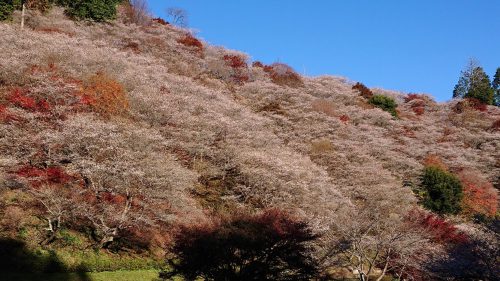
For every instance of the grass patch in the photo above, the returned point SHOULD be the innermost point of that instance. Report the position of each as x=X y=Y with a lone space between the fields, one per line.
x=125 y=275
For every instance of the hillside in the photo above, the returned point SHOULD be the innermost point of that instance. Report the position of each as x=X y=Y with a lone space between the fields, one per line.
x=118 y=133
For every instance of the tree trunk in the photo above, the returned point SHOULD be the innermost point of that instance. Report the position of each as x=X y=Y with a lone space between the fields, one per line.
x=105 y=240
x=383 y=271
x=23 y=13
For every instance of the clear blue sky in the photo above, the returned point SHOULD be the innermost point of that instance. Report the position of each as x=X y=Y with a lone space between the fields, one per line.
x=407 y=45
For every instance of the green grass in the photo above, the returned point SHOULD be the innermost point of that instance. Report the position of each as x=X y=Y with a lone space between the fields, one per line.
x=125 y=275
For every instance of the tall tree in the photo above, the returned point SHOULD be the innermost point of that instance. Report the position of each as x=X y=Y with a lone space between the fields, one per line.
x=272 y=245
x=474 y=83
x=496 y=87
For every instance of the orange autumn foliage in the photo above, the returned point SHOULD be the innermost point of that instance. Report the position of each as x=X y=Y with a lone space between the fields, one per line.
x=480 y=197
x=105 y=95
x=435 y=161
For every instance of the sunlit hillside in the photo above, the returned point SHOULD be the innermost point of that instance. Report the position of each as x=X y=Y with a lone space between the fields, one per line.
x=115 y=135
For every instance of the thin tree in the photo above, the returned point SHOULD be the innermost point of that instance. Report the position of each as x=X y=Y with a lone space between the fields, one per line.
x=178 y=16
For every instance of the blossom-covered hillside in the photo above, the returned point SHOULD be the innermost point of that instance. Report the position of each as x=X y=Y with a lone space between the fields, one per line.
x=117 y=134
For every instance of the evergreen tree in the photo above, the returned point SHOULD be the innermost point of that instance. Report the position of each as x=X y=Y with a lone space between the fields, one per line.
x=443 y=191
x=480 y=87
x=97 y=10
x=7 y=7
x=496 y=87
x=474 y=83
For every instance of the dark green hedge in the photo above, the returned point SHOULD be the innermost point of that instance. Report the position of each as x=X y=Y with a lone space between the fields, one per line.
x=7 y=7
x=97 y=10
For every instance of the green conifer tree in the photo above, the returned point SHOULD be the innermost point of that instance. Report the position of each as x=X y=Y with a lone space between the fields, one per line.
x=496 y=87
x=474 y=83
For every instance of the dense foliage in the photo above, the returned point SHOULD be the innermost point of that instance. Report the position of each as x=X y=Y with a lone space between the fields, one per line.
x=443 y=190
x=385 y=103
x=363 y=90
x=496 y=87
x=267 y=246
x=474 y=83
x=7 y=7
x=97 y=10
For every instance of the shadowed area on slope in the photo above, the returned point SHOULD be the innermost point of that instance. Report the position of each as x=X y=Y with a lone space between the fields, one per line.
x=17 y=262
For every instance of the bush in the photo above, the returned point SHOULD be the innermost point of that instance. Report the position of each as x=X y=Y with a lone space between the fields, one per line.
x=97 y=10
x=160 y=21
x=239 y=66
x=39 y=5
x=439 y=230
x=258 y=64
x=432 y=160
x=284 y=75
x=20 y=98
x=385 y=103
x=363 y=90
x=443 y=191
x=105 y=95
x=480 y=197
x=189 y=41
x=37 y=176
x=267 y=246
x=470 y=103
x=7 y=7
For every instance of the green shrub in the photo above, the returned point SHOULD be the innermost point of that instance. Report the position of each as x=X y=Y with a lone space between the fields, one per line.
x=97 y=10
x=385 y=103
x=7 y=7
x=443 y=191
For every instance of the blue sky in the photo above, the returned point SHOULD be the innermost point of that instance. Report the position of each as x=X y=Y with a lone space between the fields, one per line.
x=411 y=46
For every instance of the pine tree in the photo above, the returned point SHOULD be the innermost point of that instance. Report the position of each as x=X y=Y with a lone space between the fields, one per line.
x=480 y=87
x=496 y=87
x=443 y=191
x=474 y=83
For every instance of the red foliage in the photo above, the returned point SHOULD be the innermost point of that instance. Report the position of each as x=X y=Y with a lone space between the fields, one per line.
x=470 y=103
x=55 y=30
x=160 y=21
x=363 y=90
x=435 y=161
x=411 y=97
x=88 y=197
x=37 y=176
x=480 y=197
x=113 y=198
x=284 y=75
x=240 y=78
x=235 y=61
x=419 y=110
x=7 y=117
x=439 y=229
x=19 y=98
x=189 y=41
x=239 y=65
x=477 y=104
x=258 y=64
x=344 y=118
